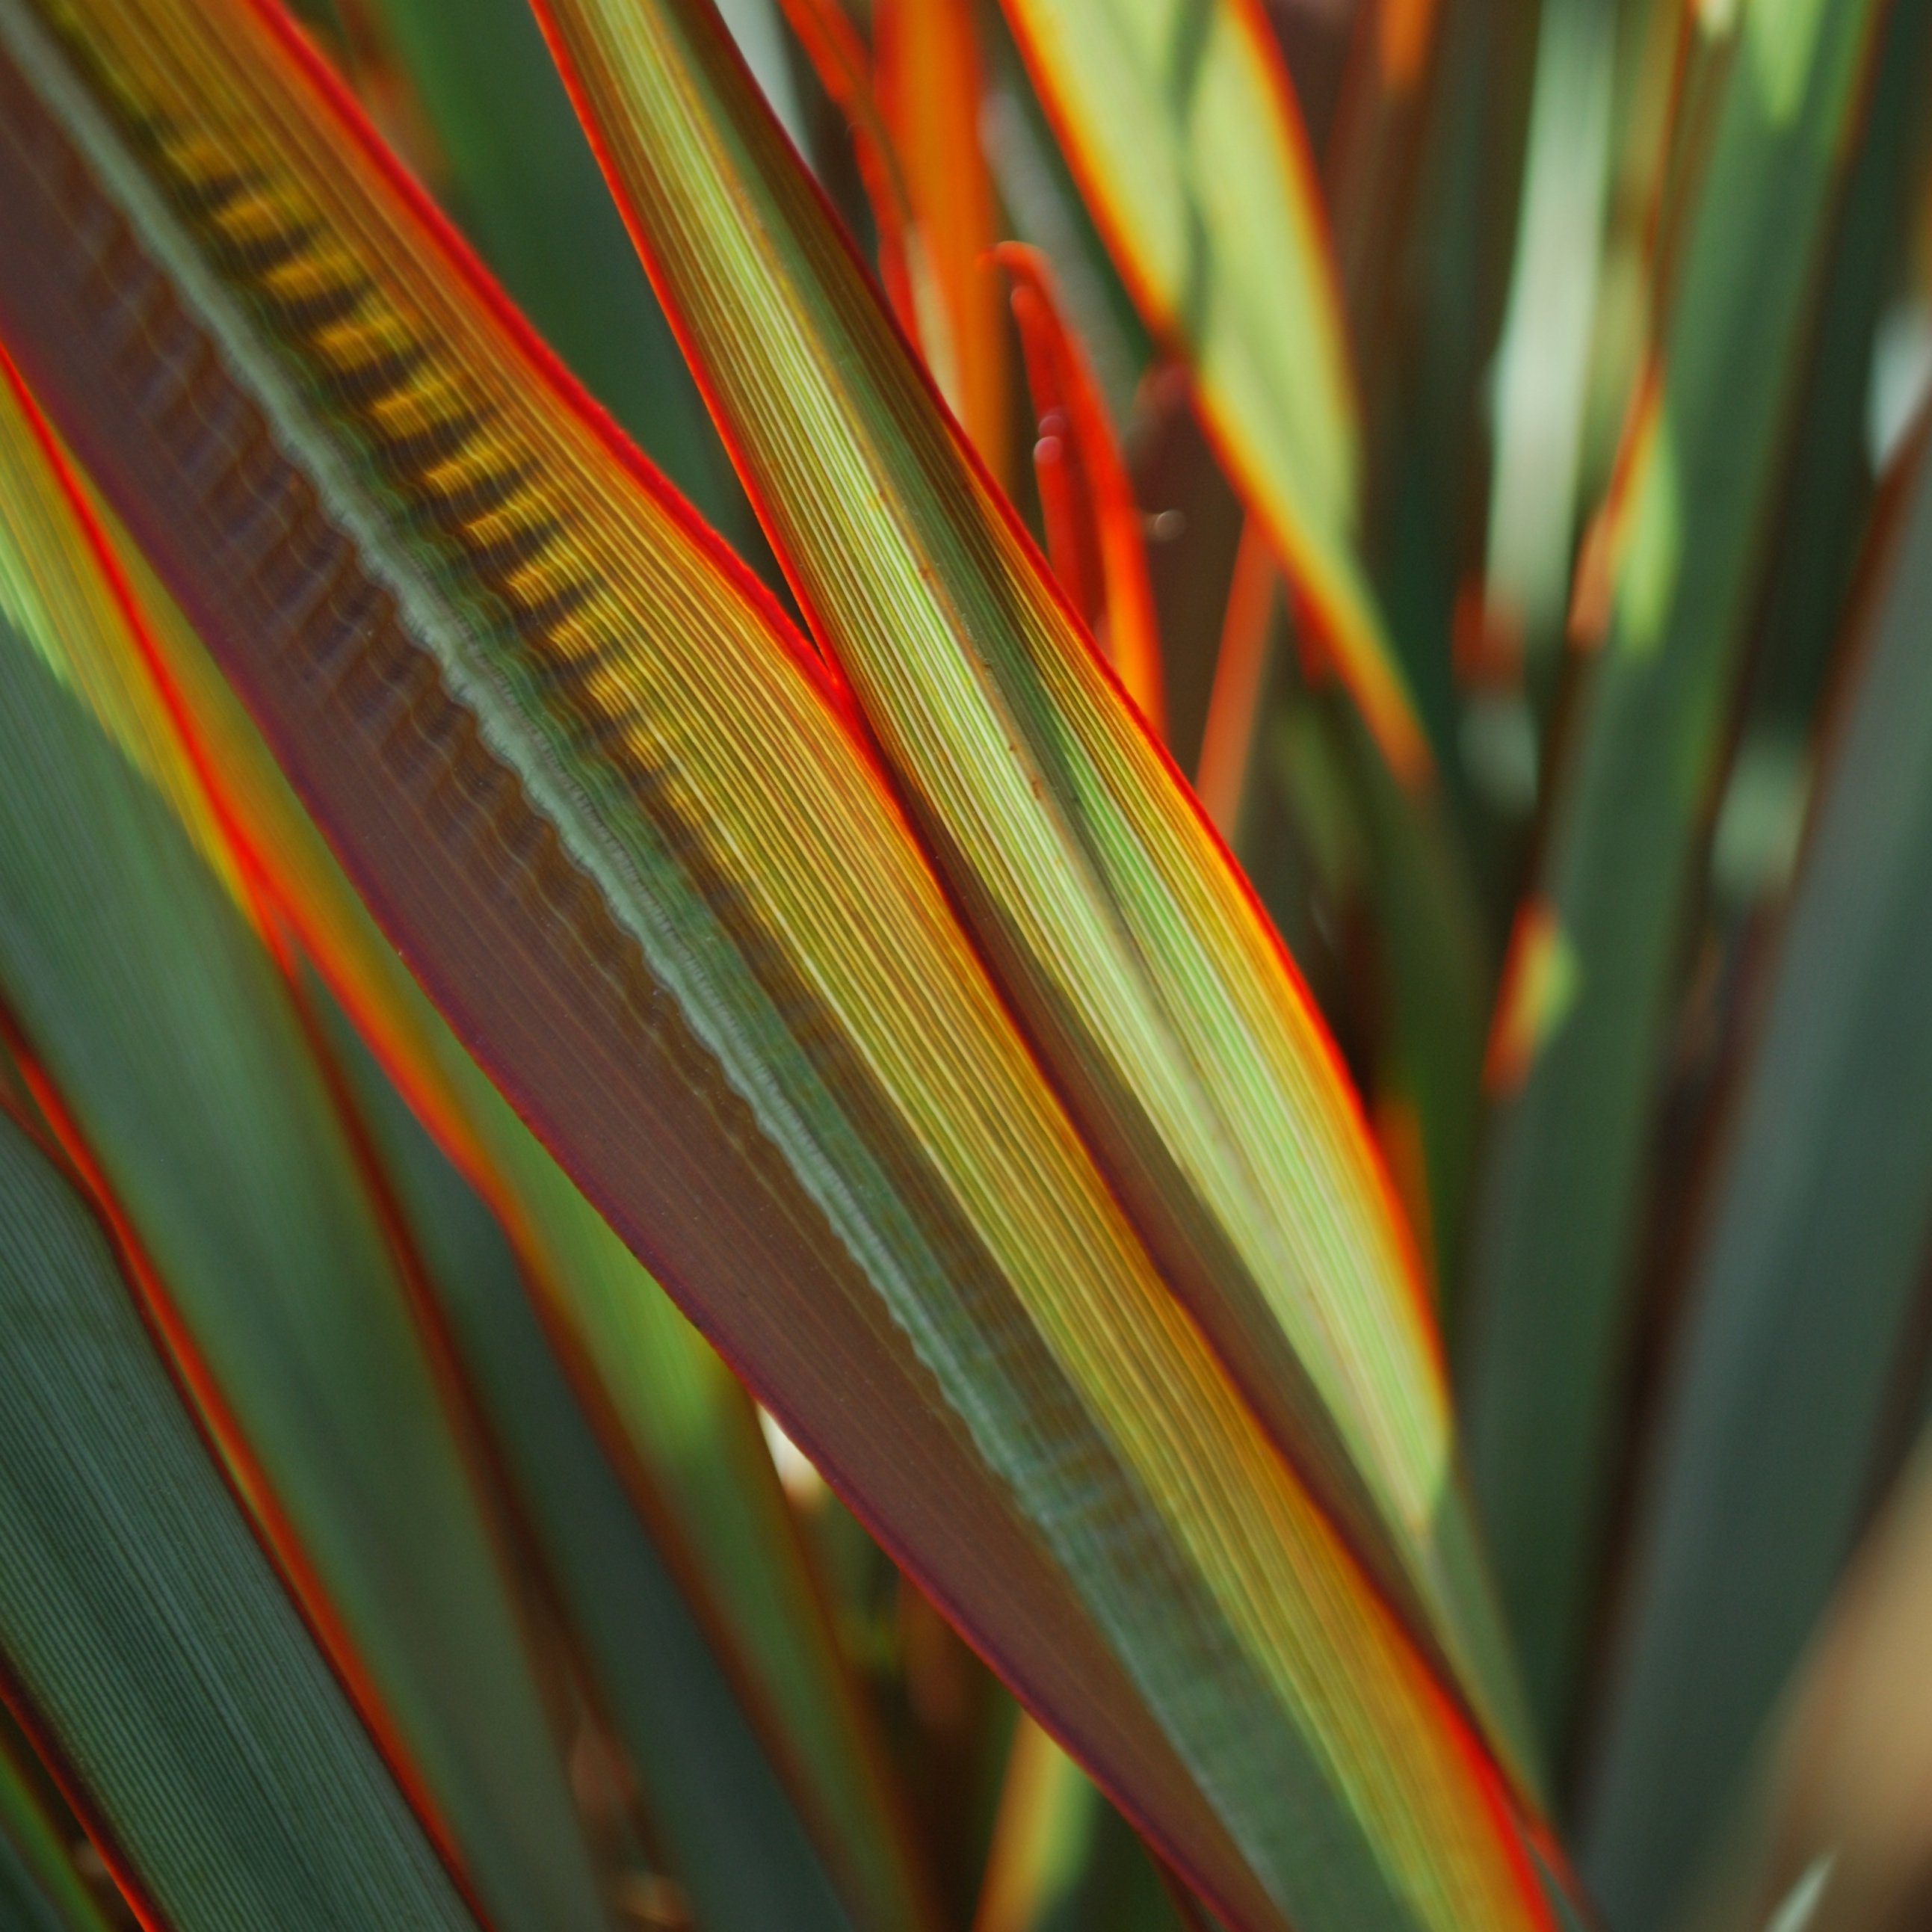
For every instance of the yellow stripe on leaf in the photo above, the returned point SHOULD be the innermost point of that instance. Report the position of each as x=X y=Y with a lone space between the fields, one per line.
x=1135 y=953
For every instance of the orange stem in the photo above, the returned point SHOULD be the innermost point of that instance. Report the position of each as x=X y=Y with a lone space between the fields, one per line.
x=1227 y=745
x=1093 y=522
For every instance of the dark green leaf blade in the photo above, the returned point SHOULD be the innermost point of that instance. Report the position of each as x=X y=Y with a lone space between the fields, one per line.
x=146 y=1634
x=1598 y=948
x=132 y=969
x=1803 y=1288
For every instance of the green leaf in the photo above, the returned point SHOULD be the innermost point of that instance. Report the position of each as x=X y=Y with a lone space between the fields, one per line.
x=1561 y=1208
x=146 y=1634
x=1804 y=1287
x=1827 y=512
x=729 y=1828
x=625 y=830
x=1544 y=358
x=1158 y=996
x=175 y=1062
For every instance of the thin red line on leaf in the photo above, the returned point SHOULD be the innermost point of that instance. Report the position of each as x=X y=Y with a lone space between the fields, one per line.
x=1322 y=1038
x=1402 y=741
x=1111 y=548
x=271 y=902
x=839 y=60
x=52 y=1757
x=277 y=1535
x=1001 y=509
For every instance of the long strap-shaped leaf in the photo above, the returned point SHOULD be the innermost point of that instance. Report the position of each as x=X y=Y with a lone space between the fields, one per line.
x=170 y=1052
x=680 y=1426
x=1803 y=1283
x=1160 y=999
x=1597 y=943
x=1181 y=123
x=610 y=810
x=145 y=1636
x=683 y=1429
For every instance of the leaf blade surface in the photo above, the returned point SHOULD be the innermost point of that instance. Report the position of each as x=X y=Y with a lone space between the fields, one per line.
x=630 y=839
x=131 y=966
x=148 y=1632
x=1161 y=1001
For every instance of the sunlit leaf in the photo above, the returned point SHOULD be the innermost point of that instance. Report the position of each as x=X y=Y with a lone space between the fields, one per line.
x=133 y=975
x=159 y=1662
x=629 y=839
x=1135 y=953
x=539 y=214
x=1543 y=358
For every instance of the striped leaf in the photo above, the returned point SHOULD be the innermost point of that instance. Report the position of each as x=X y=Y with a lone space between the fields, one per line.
x=539 y=215
x=1158 y=996
x=169 y=1057
x=626 y=831
x=145 y=1633
x=683 y=1432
